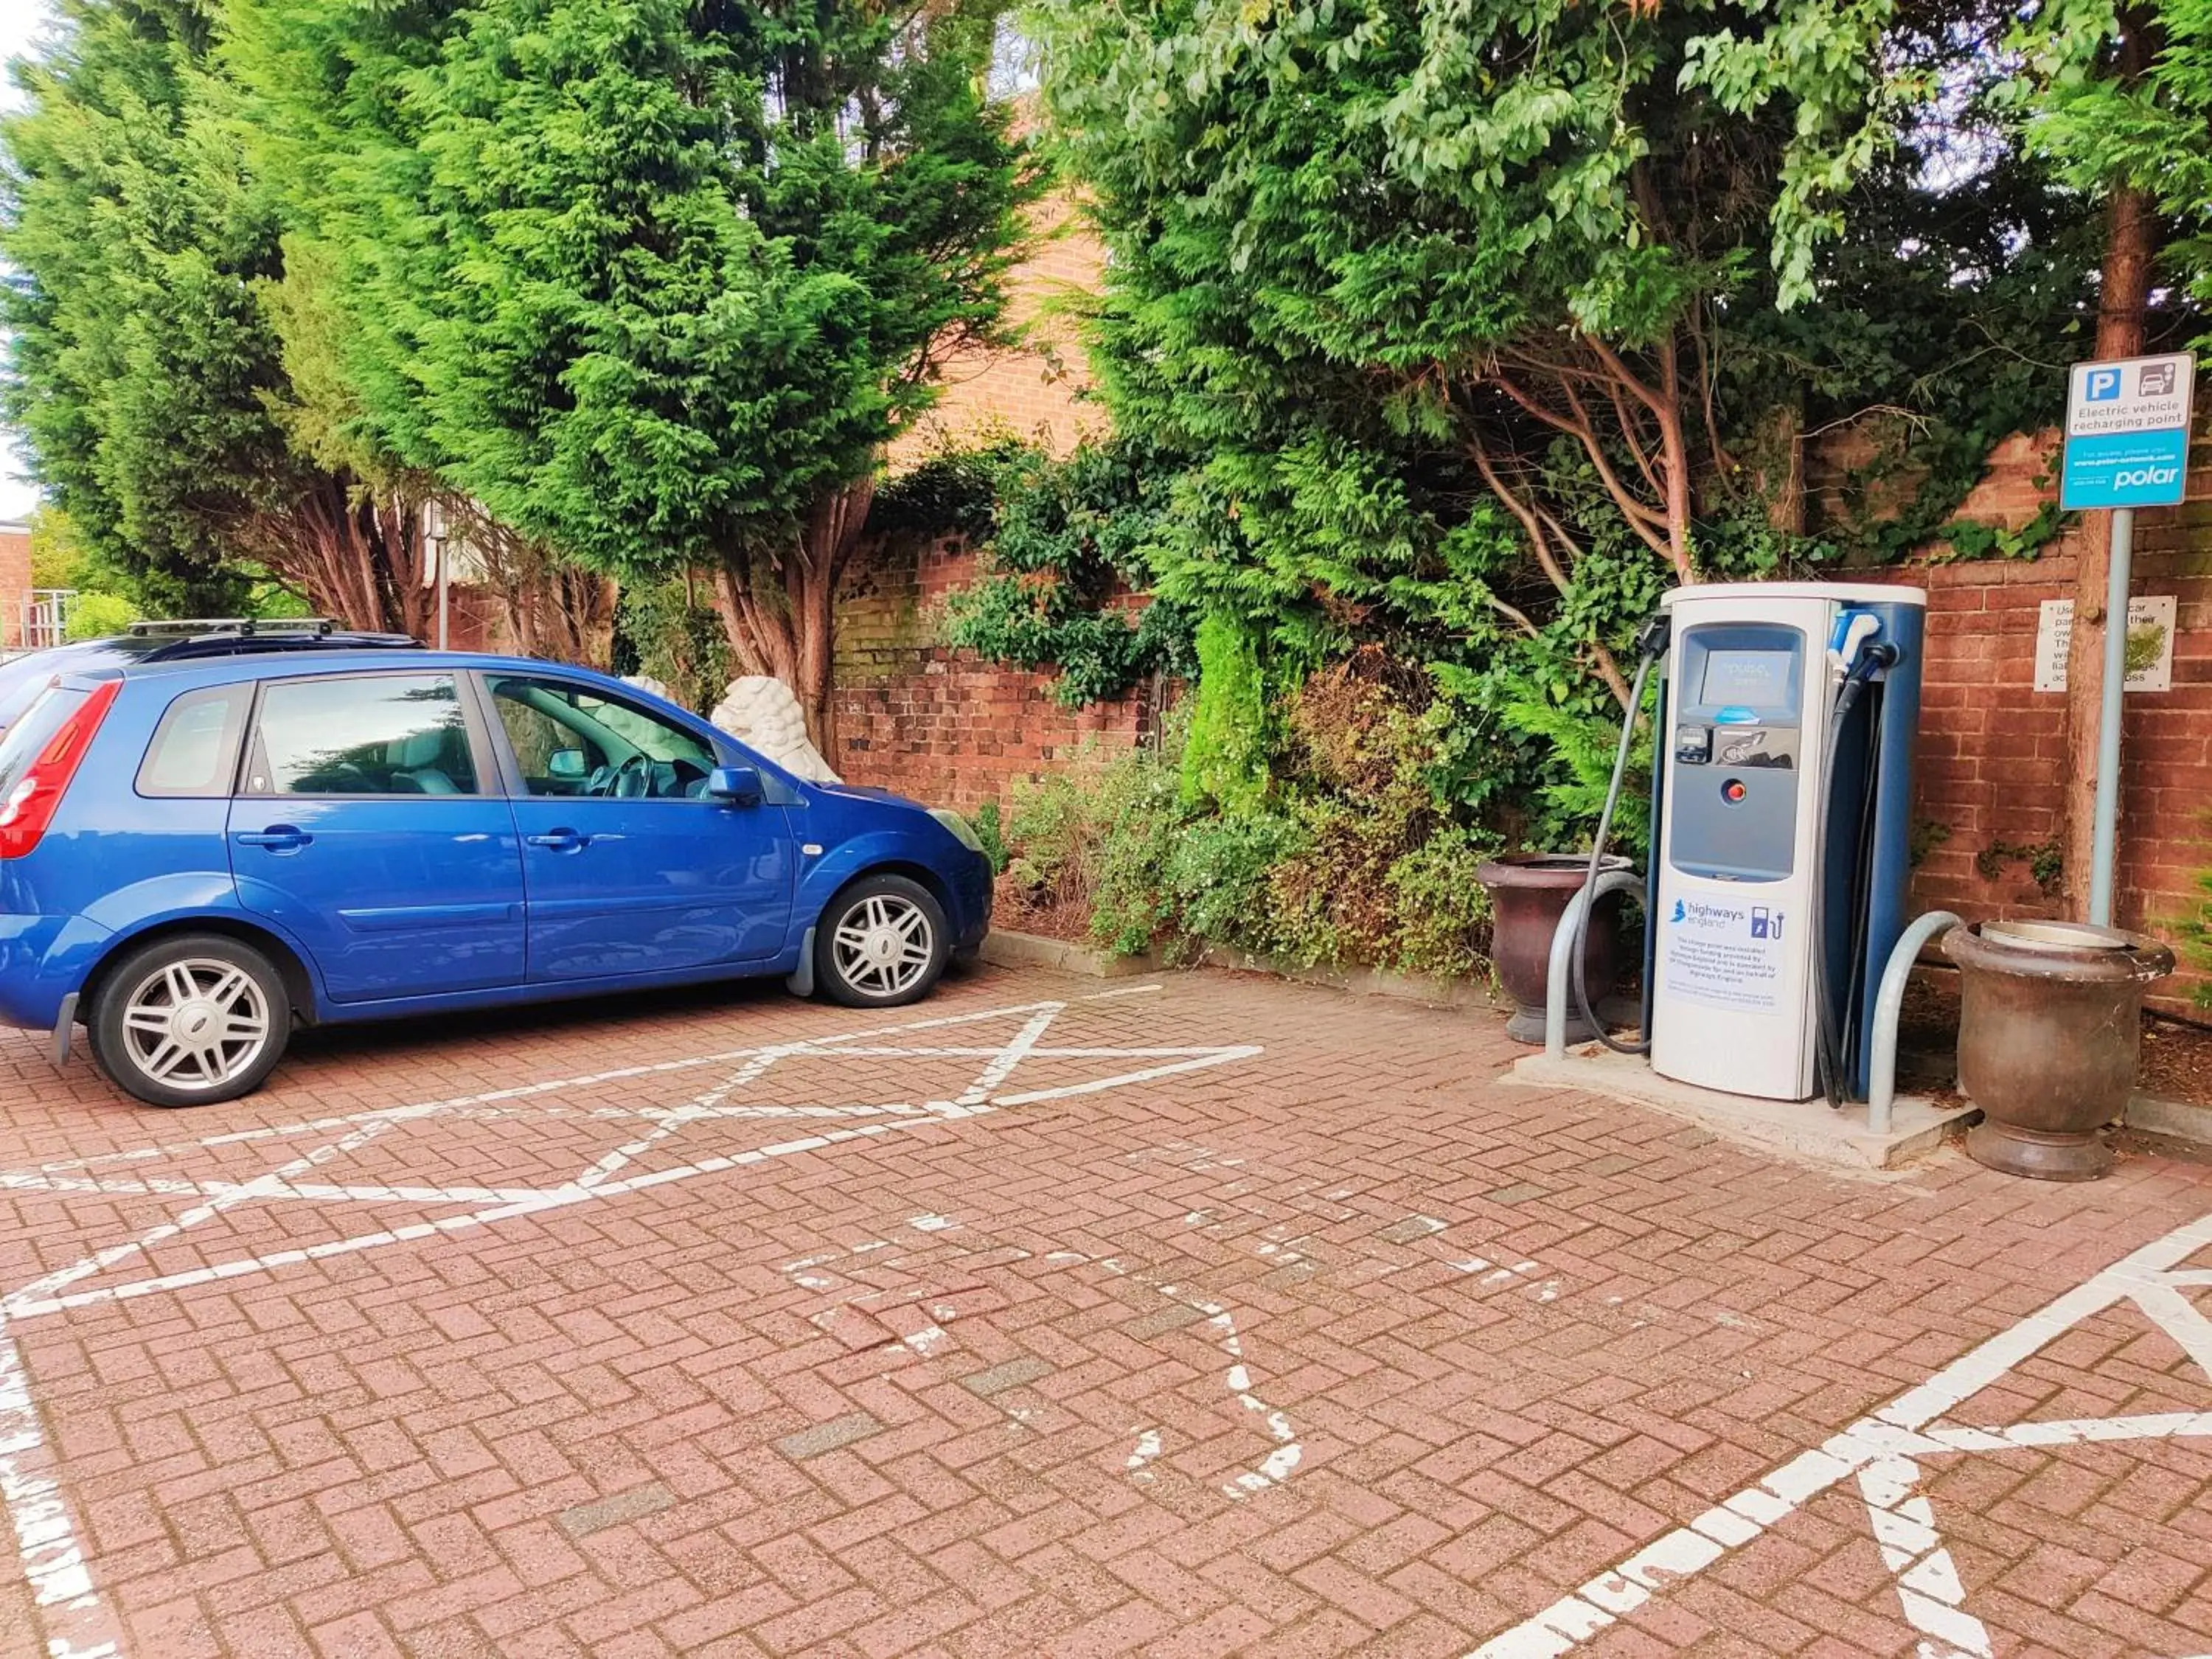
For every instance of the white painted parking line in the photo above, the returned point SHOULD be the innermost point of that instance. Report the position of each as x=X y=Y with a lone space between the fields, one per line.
x=1880 y=1452
x=79 y=1623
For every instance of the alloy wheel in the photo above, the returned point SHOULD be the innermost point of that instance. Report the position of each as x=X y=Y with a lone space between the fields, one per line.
x=196 y=1023
x=883 y=945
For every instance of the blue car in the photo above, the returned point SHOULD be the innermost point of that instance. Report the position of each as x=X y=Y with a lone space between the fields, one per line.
x=198 y=856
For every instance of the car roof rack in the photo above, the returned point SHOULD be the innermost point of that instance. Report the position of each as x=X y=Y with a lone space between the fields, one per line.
x=240 y=626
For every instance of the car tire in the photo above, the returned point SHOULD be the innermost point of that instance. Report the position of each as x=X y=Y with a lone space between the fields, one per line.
x=190 y=1020
x=881 y=942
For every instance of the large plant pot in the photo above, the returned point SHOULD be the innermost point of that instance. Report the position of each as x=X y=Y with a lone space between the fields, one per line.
x=2050 y=1024
x=1528 y=894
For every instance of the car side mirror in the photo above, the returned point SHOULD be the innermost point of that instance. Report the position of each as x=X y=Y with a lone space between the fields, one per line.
x=736 y=785
x=565 y=765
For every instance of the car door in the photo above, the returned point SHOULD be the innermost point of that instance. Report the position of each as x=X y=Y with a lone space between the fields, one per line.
x=629 y=867
x=368 y=822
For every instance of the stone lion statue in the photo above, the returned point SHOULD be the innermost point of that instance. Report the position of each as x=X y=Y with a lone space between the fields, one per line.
x=760 y=712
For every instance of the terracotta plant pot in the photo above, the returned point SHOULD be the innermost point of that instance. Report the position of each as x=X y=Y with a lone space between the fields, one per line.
x=1528 y=894
x=2050 y=1024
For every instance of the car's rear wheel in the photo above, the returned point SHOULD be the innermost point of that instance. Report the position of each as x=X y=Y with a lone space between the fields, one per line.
x=190 y=1019
x=881 y=942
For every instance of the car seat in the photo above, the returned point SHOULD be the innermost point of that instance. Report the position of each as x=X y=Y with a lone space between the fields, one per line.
x=414 y=761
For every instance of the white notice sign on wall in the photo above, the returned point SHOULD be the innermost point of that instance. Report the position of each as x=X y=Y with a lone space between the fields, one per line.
x=2150 y=643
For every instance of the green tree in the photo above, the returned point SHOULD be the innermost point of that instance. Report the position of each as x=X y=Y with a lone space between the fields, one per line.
x=2120 y=97
x=654 y=282
x=142 y=368
x=1485 y=304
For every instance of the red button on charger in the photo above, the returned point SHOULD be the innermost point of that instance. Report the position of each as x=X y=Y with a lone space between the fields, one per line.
x=1733 y=790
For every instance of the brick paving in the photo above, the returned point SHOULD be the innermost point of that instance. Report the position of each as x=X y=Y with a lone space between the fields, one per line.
x=1340 y=1347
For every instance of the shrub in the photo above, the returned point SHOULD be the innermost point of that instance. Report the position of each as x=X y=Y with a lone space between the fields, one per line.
x=96 y=615
x=1048 y=839
x=666 y=631
x=1584 y=746
x=989 y=826
x=1381 y=872
x=1226 y=760
x=1350 y=859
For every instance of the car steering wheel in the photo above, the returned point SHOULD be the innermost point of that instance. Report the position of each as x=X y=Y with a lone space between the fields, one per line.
x=632 y=778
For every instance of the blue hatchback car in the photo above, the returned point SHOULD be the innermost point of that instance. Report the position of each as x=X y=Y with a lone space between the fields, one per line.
x=195 y=857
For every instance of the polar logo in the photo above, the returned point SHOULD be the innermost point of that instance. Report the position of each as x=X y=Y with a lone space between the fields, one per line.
x=2142 y=476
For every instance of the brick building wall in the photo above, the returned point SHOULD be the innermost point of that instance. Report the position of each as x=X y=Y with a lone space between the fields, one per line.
x=1034 y=387
x=1991 y=767
x=940 y=725
x=14 y=582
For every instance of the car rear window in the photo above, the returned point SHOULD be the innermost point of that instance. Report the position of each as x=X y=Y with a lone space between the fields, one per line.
x=23 y=678
x=195 y=748
x=31 y=733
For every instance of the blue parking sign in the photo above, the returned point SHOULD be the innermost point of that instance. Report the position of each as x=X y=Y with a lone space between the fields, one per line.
x=2127 y=433
x=2125 y=469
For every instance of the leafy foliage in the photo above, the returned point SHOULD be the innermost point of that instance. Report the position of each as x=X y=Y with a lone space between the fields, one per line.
x=1465 y=331
x=1353 y=858
x=1586 y=748
x=2045 y=861
x=989 y=824
x=137 y=361
x=143 y=367
x=654 y=282
x=954 y=493
x=1069 y=541
x=95 y=616
x=1226 y=761
x=2106 y=120
x=662 y=631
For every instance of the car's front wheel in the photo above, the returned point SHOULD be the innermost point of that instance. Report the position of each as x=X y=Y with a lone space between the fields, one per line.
x=190 y=1019
x=882 y=942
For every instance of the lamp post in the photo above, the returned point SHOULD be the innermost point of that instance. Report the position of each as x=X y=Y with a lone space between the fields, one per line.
x=433 y=532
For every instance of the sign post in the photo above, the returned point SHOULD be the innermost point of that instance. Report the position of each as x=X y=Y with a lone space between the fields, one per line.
x=2127 y=446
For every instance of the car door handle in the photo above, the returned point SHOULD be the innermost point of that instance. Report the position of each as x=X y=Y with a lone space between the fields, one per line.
x=277 y=838
x=559 y=841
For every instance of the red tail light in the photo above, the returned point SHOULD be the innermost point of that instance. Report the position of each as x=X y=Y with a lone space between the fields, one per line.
x=30 y=805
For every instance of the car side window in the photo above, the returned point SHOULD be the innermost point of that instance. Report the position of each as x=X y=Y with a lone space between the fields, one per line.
x=195 y=747
x=361 y=734
x=569 y=739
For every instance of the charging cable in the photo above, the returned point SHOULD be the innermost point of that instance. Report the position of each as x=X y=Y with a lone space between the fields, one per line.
x=1864 y=661
x=1650 y=645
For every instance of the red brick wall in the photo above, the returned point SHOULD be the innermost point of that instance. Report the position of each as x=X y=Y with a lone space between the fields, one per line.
x=1991 y=762
x=14 y=582
x=940 y=724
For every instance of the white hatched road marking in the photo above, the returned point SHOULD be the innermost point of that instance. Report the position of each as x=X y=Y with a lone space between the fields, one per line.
x=813 y=1273
x=79 y=1623
x=816 y=1272
x=1881 y=1451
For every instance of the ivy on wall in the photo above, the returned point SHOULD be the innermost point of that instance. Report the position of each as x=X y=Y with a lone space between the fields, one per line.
x=1065 y=561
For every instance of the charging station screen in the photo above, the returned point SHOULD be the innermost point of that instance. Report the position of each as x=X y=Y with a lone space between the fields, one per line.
x=1758 y=678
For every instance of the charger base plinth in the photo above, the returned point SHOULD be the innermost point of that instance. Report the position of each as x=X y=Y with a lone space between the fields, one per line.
x=1807 y=1133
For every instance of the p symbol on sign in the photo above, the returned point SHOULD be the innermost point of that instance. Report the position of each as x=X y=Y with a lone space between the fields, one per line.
x=2101 y=385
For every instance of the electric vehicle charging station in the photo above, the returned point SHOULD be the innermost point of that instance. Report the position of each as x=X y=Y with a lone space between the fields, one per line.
x=1781 y=830
x=1781 y=826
